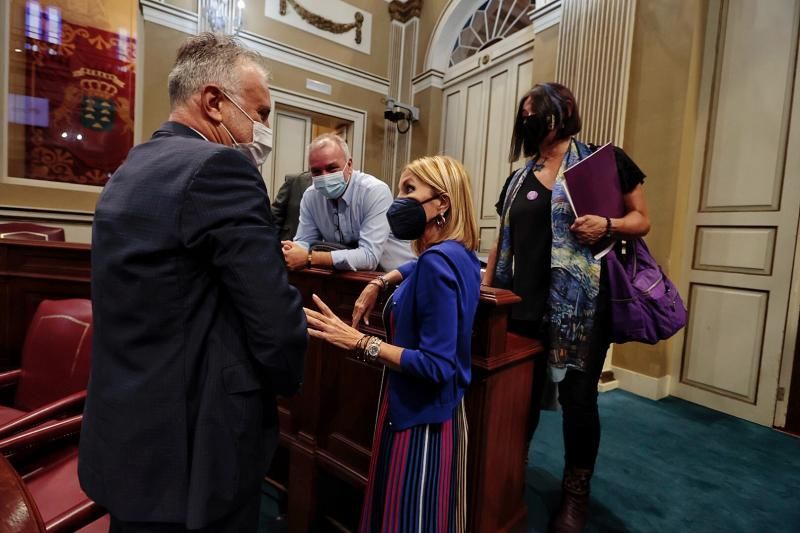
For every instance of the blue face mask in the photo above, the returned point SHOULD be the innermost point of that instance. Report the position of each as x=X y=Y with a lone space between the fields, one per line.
x=332 y=185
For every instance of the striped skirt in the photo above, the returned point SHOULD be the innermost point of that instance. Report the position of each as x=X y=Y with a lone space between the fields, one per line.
x=417 y=476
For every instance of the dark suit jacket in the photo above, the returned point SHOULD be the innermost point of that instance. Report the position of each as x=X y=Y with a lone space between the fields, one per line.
x=286 y=207
x=196 y=328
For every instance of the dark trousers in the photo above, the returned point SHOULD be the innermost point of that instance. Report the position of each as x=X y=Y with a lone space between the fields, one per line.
x=242 y=520
x=577 y=393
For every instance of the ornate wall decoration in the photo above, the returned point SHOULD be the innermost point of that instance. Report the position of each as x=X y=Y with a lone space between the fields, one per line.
x=323 y=23
x=87 y=80
x=405 y=11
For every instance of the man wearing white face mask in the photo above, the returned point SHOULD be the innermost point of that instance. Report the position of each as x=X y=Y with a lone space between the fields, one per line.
x=196 y=328
x=345 y=208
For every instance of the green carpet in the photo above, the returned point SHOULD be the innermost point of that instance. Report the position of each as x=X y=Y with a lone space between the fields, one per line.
x=668 y=466
x=673 y=466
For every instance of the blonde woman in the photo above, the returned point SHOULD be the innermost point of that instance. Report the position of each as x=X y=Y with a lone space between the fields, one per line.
x=417 y=472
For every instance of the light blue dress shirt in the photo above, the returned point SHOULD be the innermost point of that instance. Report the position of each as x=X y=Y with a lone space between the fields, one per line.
x=361 y=214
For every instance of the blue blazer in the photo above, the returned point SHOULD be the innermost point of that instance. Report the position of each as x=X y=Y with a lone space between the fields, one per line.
x=196 y=329
x=434 y=309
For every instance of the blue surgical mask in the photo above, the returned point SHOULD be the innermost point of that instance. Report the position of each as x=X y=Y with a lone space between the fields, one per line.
x=332 y=185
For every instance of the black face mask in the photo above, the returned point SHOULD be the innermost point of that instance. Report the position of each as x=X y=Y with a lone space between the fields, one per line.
x=407 y=218
x=535 y=131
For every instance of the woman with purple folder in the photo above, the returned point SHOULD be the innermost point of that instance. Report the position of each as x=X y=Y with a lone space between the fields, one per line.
x=544 y=254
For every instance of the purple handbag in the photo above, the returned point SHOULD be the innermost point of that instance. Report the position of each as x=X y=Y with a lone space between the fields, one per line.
x=645 y=305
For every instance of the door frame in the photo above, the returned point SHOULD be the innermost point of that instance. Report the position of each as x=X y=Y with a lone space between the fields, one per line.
x=358 y=117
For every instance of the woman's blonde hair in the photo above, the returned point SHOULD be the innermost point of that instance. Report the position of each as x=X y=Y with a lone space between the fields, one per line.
x=448 y=176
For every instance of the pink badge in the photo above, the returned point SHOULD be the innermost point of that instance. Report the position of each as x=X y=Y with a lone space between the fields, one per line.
x=533 y=195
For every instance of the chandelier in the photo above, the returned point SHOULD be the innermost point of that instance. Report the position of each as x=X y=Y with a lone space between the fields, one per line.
x=221 y=16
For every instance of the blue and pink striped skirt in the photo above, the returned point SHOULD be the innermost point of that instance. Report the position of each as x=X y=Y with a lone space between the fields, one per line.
x=417 y=476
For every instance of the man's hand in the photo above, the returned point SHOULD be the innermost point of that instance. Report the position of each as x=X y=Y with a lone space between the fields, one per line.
x=588 y=229
x=296 y=256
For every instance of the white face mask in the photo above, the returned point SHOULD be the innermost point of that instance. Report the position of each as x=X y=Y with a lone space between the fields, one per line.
x=260 y=148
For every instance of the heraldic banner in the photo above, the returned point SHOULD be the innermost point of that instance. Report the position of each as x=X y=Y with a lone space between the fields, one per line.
x=87 y=80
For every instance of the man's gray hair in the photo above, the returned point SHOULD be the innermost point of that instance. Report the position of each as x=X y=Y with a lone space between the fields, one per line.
x=331 y=138
x=209 y=58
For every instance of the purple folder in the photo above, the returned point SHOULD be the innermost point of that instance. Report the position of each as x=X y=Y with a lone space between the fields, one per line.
x=593 y=188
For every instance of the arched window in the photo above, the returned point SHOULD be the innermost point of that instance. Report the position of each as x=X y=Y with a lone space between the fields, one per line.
x=492 y=22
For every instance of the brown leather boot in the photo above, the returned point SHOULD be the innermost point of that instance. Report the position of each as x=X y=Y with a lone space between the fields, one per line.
x=574 y=508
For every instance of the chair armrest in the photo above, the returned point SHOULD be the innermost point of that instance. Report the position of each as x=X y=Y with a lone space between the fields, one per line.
x=51 y=411
x=41 y=435
x=10 y=378
x=73 y=519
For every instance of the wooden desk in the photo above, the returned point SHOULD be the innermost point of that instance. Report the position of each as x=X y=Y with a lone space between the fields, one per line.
x=326 y=431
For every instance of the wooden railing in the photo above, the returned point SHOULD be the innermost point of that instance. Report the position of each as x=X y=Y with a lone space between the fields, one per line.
x=326 y=430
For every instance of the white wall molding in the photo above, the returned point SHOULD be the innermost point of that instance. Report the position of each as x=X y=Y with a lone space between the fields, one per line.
x=642 y=384
x=11 y=211
x=429 y=78
x=546 y=16
x=186 y=22
x=169 y=16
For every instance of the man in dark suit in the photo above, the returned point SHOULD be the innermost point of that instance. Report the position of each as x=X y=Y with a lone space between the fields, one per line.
x=286 y=207
x=196 y=327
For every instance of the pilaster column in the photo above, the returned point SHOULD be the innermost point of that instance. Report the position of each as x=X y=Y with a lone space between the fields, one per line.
x=594 y=57
x=403 y=39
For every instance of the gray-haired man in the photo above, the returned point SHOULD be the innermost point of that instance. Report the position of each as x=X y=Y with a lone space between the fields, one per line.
x=196 y=328
x=345 y=208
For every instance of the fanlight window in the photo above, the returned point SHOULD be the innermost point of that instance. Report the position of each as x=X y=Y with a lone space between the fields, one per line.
x=492 y=22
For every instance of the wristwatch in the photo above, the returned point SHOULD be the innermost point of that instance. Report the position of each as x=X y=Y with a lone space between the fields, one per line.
x=373 y=349
x=308 y=262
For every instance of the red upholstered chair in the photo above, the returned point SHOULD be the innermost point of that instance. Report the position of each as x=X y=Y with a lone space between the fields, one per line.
x=54 y=371
x=30 y=232
x=41 y=492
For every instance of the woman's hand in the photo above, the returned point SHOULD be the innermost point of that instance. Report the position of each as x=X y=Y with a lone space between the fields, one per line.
x=329 y=327
x=365 y=303
x=588 y=229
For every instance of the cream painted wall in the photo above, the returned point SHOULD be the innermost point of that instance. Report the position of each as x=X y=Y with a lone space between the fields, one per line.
x=426 y=132
x=659 y=136
x=161 y=45
x=545 y=50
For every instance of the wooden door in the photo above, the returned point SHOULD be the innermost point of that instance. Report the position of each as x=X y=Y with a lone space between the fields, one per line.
x=744 y=210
